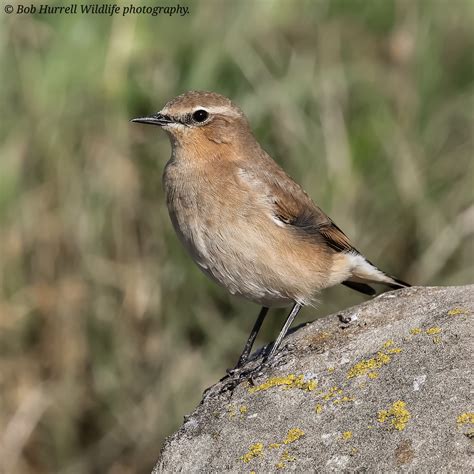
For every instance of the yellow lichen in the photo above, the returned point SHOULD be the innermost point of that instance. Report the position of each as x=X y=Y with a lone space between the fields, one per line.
x=368 y=365
x=318 y=408
x=284 y=458
x=433 y=330
x=393 y=350
x=437 y=339
x=344 y=399
x=231 y=412
x=464 y=418
x=331 y=370
x=388 y=343
x=253 y=472
x=333 y=392
x=254 y=451
x=456 y=311
x=243 y=409
x=274 y=446
x=398 y=414
x=346 y=435
x=287 y=382
x=373 y=375
x=294 y=434
x=415 y=331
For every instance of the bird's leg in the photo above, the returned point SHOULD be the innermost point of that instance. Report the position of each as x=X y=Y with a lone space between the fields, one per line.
x=248 y=345
x=249 y=374
x=294 y=311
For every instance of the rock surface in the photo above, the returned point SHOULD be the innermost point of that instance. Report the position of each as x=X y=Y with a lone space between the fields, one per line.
x=388 y=390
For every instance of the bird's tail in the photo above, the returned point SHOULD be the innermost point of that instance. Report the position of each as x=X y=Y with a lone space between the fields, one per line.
x=364 y=272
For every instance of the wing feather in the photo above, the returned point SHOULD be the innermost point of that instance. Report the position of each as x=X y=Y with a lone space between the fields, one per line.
x=290 y=204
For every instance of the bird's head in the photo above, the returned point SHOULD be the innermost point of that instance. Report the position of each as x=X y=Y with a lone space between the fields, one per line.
x=198 y=117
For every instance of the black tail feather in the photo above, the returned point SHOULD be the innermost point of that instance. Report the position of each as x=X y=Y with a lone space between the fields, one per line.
x=361 y=287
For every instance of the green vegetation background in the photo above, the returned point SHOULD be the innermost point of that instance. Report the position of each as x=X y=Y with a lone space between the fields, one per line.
x=108 y=332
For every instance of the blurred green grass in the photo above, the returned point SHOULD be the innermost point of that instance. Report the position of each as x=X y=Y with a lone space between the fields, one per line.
x=108 y=333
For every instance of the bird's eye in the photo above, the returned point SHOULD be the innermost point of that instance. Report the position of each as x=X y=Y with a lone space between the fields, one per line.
x=200 y=115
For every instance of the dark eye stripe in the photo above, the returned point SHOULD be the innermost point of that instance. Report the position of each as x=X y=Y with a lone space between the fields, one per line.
x=187 y=119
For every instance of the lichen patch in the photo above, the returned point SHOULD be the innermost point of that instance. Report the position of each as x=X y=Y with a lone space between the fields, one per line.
x=287 y=382
x=294 y=434
x=344 y=399
x=465 y=418
x=285 y=457
x=368 y=365
x=397 y=413
x=433 y=330
x=332 y=393
x=346 y=436
x=254 y=451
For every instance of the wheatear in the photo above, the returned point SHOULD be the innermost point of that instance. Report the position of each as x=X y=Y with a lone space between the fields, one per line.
x=244 y=221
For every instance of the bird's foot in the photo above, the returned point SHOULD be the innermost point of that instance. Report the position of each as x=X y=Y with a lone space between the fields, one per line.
x=246 y=373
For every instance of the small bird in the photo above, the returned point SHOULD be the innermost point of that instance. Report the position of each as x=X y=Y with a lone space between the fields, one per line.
x=244 y=221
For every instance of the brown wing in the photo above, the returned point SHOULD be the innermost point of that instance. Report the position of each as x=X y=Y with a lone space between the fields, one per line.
x=290 y=204
x=312 y=222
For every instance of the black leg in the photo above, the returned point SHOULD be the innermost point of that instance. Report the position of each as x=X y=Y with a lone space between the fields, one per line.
x=294 y=311
x=248 y=345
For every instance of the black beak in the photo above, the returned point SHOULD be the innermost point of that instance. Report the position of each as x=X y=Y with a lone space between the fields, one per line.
x=157 y=119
